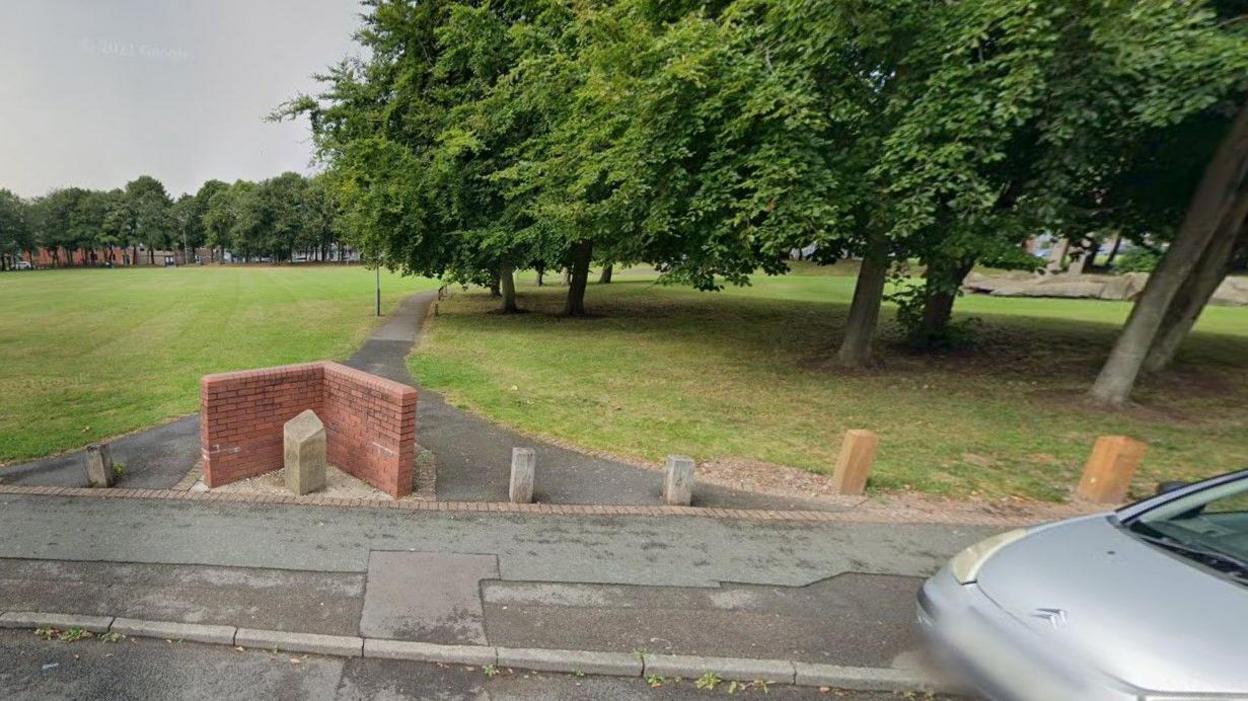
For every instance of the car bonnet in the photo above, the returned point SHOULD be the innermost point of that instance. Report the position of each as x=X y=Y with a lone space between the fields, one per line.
x=1130 y=609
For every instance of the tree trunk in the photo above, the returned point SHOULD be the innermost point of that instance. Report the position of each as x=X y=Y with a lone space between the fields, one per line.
x=1113 y=249
x=1086 y=258
x=1220 y=186
x=944 y=278
x=151 y=255
x=1192 y=297
x=1057 y=255
x=508 y=282
x=864 y=310
x=541 y=272
x=578 y=278
x=605 y=278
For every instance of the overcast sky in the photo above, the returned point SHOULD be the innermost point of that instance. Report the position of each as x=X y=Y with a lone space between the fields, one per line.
x=97 y=92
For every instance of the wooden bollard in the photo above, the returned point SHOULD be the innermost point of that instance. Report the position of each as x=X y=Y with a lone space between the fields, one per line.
x=1108 y=472
x=853 y=465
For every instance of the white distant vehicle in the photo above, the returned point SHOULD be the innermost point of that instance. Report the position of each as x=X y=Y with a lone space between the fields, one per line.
x=23 y=265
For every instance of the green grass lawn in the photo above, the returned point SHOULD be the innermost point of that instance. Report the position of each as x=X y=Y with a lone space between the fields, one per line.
x=749 y=374
x=87 y=354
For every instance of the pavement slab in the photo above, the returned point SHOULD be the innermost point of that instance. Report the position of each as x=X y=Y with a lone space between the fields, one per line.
x=326 y=602
x=850 y=619
x=431 y=597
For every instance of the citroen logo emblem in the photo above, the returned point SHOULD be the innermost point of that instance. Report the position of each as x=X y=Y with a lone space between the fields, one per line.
x=1056 y=617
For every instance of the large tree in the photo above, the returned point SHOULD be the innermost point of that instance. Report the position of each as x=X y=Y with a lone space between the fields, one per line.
x=1023 y=113
x=1210 y=229
x=413 y=148
x=482 y=138
x=150 y=211
x=15 y=229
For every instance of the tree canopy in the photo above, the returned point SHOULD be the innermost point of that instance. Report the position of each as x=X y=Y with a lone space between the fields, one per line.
x=273 y=219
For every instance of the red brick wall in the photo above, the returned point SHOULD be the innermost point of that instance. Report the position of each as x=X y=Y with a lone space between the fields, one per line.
x=370 y=422
x=370 y=426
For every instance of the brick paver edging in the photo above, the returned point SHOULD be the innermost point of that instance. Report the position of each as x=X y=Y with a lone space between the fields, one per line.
x=510 y=508
x=619 y=664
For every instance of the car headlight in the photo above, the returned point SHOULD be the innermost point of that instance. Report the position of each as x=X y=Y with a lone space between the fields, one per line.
x=965 y=565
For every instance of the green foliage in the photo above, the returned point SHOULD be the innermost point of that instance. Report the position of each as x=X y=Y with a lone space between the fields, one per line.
x=1137 y=260
x=69 y=635
x=15 y=228
x=708 y=681
x=708 y=139
x=273 y=218
x=151 y=218
x=516 y=132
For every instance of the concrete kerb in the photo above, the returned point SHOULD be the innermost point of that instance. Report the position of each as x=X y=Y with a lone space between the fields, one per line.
x=727 y=668
x=861 y=678
x=168 y=630
x=337 y=645
x=616 y=664
x=60 y=621
x=534 y=659
x=480 y=655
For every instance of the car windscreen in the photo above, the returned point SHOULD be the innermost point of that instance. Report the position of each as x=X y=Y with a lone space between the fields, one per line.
x=1209 y=526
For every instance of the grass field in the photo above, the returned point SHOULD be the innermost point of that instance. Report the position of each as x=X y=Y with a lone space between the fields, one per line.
x=748 y=374
x=87 y=354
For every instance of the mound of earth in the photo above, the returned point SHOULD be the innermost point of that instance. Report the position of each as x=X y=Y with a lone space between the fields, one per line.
x=1232 y=292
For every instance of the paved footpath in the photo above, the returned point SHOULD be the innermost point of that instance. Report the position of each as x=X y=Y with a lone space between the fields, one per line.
x=830 y=593
x=473 y=455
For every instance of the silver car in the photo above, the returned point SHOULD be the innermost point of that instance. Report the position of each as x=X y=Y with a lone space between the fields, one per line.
x=1149 y=602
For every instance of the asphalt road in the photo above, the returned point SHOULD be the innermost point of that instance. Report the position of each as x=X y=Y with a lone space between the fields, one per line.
x=31 y=668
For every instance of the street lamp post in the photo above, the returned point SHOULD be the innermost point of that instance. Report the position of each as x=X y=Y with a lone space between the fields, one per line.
x=379 y=289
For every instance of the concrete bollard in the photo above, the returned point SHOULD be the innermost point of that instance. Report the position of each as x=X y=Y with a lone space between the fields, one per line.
x=303 y=443
x=99 y=465
x=523 y=473
x=678 y=481
x=853 y=465
x=1109 y=469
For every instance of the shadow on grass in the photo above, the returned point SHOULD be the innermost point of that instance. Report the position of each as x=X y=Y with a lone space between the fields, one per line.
x=802 y=336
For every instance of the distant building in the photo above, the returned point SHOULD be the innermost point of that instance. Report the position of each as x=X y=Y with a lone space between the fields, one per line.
x=117 y=256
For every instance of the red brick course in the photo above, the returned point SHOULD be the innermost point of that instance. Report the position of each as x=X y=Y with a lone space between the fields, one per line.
x=370 y=422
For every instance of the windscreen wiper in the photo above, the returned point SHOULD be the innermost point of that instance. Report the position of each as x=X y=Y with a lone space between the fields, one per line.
x=1239 y=567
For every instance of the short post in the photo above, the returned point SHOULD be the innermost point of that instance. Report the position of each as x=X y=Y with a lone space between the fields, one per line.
x=99 y=465
x=1108 y=472
x=678 y=481
x=853 y=465
x=523 y=471
x=304 y=446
